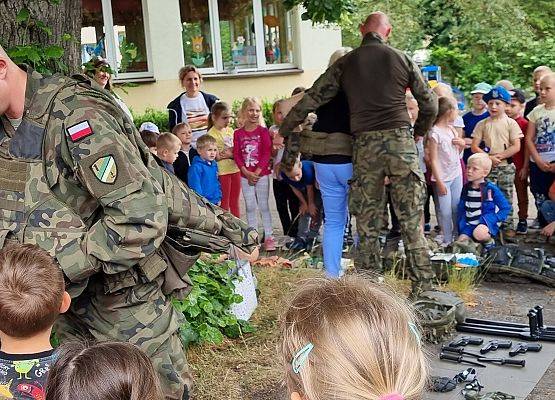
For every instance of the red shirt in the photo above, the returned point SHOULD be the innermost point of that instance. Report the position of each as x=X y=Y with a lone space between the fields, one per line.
x=252 y=150
x=518 y=158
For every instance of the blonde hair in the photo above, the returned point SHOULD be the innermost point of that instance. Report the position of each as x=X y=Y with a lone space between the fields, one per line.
x=246 y=103
x=167 y=141
x=549 y=77
x=204 y=141
x=337 y=54
x=482 y=159
x=364 y=337
x=181 y=126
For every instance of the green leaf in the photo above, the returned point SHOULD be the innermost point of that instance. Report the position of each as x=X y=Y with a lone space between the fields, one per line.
x=42 y=26
x=22 y=15
x=54 y=51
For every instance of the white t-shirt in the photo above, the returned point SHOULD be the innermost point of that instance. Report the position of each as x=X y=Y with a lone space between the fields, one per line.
x=544 y=119
x=447 y=153
x=459 y=122
x=195 y=110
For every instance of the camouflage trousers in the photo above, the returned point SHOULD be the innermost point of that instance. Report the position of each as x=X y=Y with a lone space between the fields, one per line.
x=141 y=315
x=504 y=177
x=391 y=153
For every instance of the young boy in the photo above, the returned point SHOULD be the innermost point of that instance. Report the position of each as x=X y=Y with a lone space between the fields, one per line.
x=515 y=111
x=186 y=153
x=477 y=216
x=501 y=136
x=32 y=295
x=540 y=142
x=478 y=112
x=302 y=181
x=150 y=138
x=167 y=149
x=203 y=172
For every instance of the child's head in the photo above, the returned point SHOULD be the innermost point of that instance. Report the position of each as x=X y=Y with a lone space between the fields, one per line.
x=277 y=112
x=207 y=147
x=149 y=126
x=443 y=90
x=537 y=76
x=507 y=84
x=547 y=89
x=167 y=147
x=220 y=115
x=295 y=173
x=184 y=133
x=350 y=339
x=412 y=107
x=478 y=167
x=446 y=110
x=109 y=370
x=150 y=138
x=251 y=110
x=497 y=99
x=477 y=93
x=518 y=102
x=32 y=293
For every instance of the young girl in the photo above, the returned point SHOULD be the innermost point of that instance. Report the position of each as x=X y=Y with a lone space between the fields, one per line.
x=252 y=148
x=228 y=172
x=351 y=339
x=109 y=370
x=445 y=146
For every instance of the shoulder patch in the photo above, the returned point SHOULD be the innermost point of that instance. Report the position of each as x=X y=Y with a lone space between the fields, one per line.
x=79 y=131
x=105 y=169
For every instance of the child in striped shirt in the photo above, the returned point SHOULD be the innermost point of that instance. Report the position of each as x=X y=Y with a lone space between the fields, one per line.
x=482 y=207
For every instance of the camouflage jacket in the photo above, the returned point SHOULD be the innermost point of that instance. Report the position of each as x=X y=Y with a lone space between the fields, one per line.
x=98 y=201
x=374 y=77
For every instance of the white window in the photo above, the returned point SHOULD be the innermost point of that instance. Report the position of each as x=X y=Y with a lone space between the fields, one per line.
x=237 y=35
x=115 y=30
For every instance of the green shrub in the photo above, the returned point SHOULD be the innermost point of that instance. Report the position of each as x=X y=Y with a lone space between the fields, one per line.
x=207 y=306
x=160 y=118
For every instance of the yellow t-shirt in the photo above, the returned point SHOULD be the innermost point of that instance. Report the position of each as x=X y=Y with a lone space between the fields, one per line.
x=498 y=134
x=224 y=139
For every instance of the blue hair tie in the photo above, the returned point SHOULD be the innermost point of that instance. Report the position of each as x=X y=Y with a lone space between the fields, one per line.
x=299 y=359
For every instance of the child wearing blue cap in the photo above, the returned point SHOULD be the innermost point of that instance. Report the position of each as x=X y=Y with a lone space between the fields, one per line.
x=501 y=136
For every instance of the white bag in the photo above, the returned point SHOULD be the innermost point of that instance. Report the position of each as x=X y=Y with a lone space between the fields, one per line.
x=245 y=287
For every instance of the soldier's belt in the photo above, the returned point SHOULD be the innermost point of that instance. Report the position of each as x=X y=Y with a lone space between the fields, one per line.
x=323 y=144
x=403 y=131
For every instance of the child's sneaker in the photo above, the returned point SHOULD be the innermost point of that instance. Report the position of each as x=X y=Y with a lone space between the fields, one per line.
x=522 y=227
x=297 y=244
x=270 y=244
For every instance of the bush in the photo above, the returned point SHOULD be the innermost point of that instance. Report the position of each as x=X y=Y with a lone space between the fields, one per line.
x=160 y=118
x=207 y=306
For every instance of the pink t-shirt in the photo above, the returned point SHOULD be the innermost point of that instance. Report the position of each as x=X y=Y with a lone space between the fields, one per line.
x=447 y=153
x=253 y=150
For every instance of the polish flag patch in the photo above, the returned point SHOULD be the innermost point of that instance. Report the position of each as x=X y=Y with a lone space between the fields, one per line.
x=79 y=131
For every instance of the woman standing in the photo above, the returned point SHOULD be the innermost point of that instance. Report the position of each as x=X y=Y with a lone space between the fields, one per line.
x=193 y=105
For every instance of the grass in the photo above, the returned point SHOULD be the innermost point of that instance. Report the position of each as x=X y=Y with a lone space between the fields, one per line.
x=248 y=368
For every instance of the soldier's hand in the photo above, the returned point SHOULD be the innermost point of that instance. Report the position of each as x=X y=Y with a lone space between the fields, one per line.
x=238 y=254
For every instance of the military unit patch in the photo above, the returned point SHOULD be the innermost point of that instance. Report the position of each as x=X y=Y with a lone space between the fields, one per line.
x=79 y=131
x=105 y=169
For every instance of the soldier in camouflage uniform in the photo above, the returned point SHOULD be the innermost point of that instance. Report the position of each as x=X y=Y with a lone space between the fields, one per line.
x=374 y=78
x=76 y=179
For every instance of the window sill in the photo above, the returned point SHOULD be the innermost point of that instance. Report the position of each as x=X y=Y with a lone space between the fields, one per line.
x=135 y=80
x=251 y=74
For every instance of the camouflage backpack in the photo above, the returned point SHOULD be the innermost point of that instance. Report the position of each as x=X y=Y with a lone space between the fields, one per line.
x=438 y=313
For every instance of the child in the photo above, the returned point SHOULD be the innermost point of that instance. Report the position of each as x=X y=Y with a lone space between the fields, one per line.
x=150 y=138
x=478 y=218
x=228 y=172
x=149 y=126
x=548 y=213
x=252 y=148
x=351 y=339
x=501 y=136
x=287 y=203
x=186 y=152
x=302 y=183
x=521 y=159
x=540 y=141
x=203 y=173
x=32 y=295
x=109 y=370
x=167 y=149
x=478 y=112
x=445 y=146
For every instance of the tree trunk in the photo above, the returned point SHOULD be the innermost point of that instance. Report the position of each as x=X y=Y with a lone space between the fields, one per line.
x=62 y=18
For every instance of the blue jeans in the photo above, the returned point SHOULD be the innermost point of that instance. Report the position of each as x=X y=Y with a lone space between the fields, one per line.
x=548 y=211
x=334 y=186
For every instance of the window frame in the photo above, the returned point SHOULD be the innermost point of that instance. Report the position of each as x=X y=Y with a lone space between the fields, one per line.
x=110 y=43
x=262 y=65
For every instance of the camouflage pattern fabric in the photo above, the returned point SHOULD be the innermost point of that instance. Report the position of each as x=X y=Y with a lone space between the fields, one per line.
x=389 y=153
x=504 y=176
x=77 y=180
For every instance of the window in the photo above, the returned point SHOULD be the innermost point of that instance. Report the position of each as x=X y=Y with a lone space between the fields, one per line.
x=115 y=30
x=237 y=35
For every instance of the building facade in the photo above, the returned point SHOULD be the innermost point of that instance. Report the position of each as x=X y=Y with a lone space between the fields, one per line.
x=243 y=47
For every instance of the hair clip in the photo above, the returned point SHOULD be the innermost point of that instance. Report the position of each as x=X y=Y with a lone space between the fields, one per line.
x=392 y=396
x=300 y=357
x=413 y=328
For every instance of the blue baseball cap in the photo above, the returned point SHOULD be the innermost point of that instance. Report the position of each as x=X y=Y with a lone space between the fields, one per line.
x=481 y=87
x=498 y=93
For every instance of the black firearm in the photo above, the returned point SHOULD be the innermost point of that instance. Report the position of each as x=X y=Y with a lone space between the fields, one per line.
x=496 y=344
x=460 y=359
x=521 y=348
x=464 y=340
x=459 y=350
x=503 y=361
